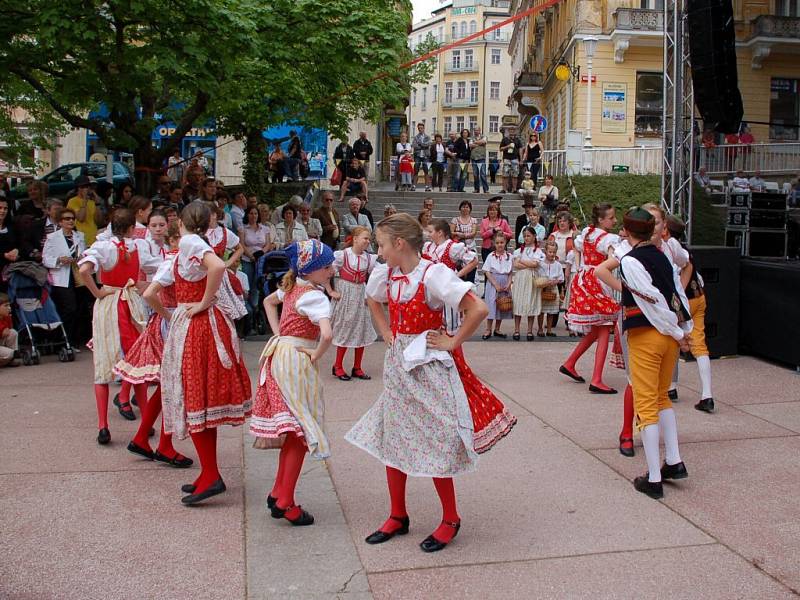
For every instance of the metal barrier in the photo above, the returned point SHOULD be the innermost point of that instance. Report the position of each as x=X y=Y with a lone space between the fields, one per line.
x=726 y=159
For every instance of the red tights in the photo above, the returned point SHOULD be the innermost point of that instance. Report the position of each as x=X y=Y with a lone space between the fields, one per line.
x=139 y=390
x=290 y=463
x=627 y=415
x=101 y=399
x=149 y=415
x=397 y=495
x=601 y=335
x=205 y=442
x=341 y=351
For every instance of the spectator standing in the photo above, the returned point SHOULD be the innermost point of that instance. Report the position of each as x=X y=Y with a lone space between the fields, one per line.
x=9 y=245
x=237 y=211
x=462 y=154
x=510 y=147
x=399 y=150
x=44 y=227
x=289 y=230
x=465 y=227
x=492 y=224
x=757 y=184
x=355 y=181
x=329 y=219
x=277 y=163
x=295 y=155
x=85 y=209
x=61 y=252
x=406 y=169
x=548 y=200
x=175 y=166
x=532 y=155
x=342 y=158
x=8 y=335
x=422 y=150
x=35 y=204
x=202 y=161
x=362 y=149
x=524 y=220
x=452 y=161
x=494 y=167
x=313 y=226
x=477 y=146
x=256 y=239
x=438 y=161
x=194 y=182
x=731 y=150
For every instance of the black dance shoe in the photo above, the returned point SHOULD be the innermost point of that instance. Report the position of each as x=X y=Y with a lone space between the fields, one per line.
x=215 y=488
x=116 y=400
x=178 y=461
x=431 y=544
x=598 y=390
x=706 y=405
x=654 y=489
x=271 y=502
x=378 y=537
x=143 y=452
x=359 y=374
x=676 y=471
x=572 y=375
x=672 y=395
x=126 y=411
x=188 y=488
x=342 y=377
x=626 y=450
x=302 y=520
x=103 y=436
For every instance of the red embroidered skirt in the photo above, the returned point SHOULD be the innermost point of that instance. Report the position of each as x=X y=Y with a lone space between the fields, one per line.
x=589 y=305
x=142 y=362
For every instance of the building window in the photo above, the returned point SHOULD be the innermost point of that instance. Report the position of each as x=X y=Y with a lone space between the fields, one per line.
x=433 y=124
x=456 y=59
x=473 y=123
x=495 y=56
x=649 y=103
x=497 y=33
x=461 y=90
x=468 y=59
x=435 y=93
x=784 y=109
x=454 y=31
x=473 y=27
x=494 y=90
x=448 y=92
x=448 y=125
x=459 y=124
x=473 y=91
x=414 y=97
x=494 y=124
x=424 y=97
x=440 y=35
x=463 y=29
x=787 y=8
x=652 y=4
x=413 y=125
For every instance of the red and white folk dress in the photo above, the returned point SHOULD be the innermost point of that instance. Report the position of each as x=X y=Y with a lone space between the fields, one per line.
x=591 y=302
x=204 y=380
x=350 y=317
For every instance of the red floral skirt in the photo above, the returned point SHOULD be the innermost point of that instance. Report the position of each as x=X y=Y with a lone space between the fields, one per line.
x=271 y=416
x=589 y=305
x=142 y=362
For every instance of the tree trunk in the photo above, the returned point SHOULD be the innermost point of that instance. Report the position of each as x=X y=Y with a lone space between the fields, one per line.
x=255 y=163
x=148 y=169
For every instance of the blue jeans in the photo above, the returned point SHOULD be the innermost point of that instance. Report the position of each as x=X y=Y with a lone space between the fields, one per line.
x=461 y=177
x=292 y=168
x=479 y=176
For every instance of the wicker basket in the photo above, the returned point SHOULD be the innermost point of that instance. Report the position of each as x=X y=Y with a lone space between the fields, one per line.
x=504 y=303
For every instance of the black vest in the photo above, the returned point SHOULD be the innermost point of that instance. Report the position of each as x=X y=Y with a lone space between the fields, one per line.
x=694 y=289
x=660 y=270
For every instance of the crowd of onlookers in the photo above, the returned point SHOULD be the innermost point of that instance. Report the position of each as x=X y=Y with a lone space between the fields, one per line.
x=740 y=183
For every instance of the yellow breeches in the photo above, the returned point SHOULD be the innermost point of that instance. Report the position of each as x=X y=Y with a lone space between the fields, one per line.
x=697 y=339
x=652 y=357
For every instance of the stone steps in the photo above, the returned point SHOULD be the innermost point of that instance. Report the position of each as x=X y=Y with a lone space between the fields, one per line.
x=445 y=203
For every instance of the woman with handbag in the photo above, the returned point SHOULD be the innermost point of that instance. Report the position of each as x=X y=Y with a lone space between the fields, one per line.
x=548 y=200
x=549 y=276
x=525 y=295
x=497 y=270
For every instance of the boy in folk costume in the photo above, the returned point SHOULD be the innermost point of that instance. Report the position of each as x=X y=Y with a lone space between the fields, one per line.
x=204 y=381
x=421 y=424
x=119 y=313
x=656 y=321
x=289 y=410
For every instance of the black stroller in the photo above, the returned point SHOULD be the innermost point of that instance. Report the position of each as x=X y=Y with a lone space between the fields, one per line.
x=270 y=268
x=40 y=328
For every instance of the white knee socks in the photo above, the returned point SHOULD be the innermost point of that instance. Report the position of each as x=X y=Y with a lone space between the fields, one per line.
x=674 y=384
x=651 y=451
x=669 y=429
x=704 y=368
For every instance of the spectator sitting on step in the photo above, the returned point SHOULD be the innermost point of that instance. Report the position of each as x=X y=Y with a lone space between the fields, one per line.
x=355 y=180
x=427 y=204
x=8 y=335
x=741 y=184
x=527 y=187
x=757 y=184
x=701 y=178
x=389 y=210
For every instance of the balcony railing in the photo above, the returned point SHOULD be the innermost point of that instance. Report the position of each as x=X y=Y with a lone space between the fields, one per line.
x=460 y=103
x=639 y=19
x=776 y=27
x=451 y=68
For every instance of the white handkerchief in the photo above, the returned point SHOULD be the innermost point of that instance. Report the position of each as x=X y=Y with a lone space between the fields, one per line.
x=417 y=353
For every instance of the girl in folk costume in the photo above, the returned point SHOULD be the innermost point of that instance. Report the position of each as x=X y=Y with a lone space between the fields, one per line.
x=592 y=311
x=142 y=365
x=289 y=410
x=549 y=275
x=421 y=424
x=693 y=285
x=352 y=325
x=497 y=270
x=221 y=239
x=141 y=208
x=526 y=296
x=204 y=381
x=564 y=236
x=119 y=313
x=656 y=321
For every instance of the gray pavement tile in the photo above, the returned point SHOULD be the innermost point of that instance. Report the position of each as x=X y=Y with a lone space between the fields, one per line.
x=119 y=535
x=785 y=414
x=535 y=495
x=743 y=493
x=709 y=571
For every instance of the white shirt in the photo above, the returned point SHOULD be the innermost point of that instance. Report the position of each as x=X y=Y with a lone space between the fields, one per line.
x=214 y=237
x=400 y=148
x=459 y=252
x=756 y=183
x=103 y=254
x=314 y=304
x=551 y=270
x=55 y=246
x=659 y=314
x=677 y=254
x=191 y=251
x=741 y=184
x=442 y=286
x=361 y=263
x=501 y=265
x=560 y=238
x=528 y=253
x=439 y=152
x=299 y=233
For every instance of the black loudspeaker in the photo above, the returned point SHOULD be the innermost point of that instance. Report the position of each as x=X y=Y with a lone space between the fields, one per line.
x=712 y=49
x=719 y=268
x=769 y=319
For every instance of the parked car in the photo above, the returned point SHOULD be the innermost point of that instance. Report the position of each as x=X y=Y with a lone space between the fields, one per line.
x=61 y=180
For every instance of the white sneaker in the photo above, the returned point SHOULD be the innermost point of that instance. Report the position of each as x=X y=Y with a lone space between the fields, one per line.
x=428 y=189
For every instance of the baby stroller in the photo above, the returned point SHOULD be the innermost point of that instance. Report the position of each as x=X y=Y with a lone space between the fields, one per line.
x=270 y=268
x=40 y=328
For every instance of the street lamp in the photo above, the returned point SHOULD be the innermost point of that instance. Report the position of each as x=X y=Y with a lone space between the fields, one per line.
x=589 y=46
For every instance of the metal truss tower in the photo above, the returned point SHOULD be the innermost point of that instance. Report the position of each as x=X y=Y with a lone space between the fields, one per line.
x=678 y=115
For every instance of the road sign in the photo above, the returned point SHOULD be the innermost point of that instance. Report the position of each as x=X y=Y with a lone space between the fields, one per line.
x=538 y=123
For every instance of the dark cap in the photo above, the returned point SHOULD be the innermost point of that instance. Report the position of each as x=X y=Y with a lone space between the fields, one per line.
x=84 y=180
x=495 y=199
x=675 y=225
x=639 y=222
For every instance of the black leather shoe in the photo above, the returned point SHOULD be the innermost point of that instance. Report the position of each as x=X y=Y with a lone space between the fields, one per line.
x=188 y=488
x=304 y=519
x=676 y=471
x=342 y=377
x=359 y=374
x=431 y=544
x=597 y=390
x=378 y=537
x=179 y=461
x=574 y=376
x=126 y=411
x=626 y=450
x=271 y=502
x=103 y=436
x=215 y=488
x=644 y=485
x=672 y=395
x=706 y=405
x=143 y=452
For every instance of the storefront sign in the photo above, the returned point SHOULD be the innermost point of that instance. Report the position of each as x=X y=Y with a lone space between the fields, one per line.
x=613 y=118
x=467 y=10
x=394 y=125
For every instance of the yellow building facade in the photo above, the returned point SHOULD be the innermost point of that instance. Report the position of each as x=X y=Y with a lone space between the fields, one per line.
x=627 y=69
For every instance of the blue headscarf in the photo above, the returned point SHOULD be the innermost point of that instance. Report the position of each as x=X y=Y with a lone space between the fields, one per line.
x=309 y=256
